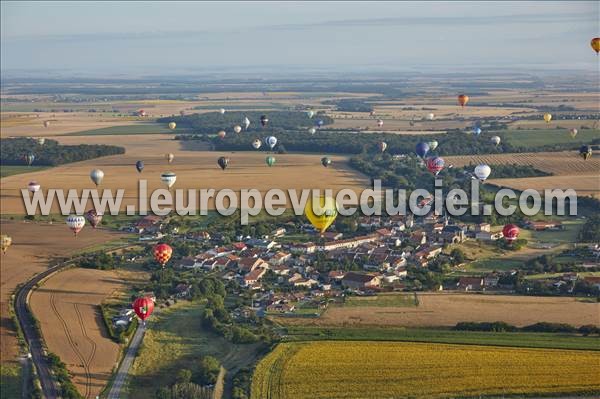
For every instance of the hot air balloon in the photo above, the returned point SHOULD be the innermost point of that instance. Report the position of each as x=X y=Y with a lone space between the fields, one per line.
x=547 y=117
x=433 y=144
x=75 y=223
x=222 y=111
x=372 y=114
x=97 y=175
x=312 y=130
x=41 y=140
x=382 y=145
x=379 y=123
x=29 y=158
x=139 y=165
x=430 y=116
x=33 y=186
x=141 y=112
x=585 y=152
x=46 y=123
x=168 y=179
x=246 y=123
x=264 y=120
x=271 y=141
x=5 y=242
x=270 y=160
x=143 y=308
x=463 y=99
x=510 y=232
x=325 y=161
x=169 y=157
x=595 y=43
x=422 y=149
x=573 y=132
x=482 y=172
x=256 y=144
x=237 y=128
x=495 y=140
x=221 y=134
x=326 y=214
x=93 y=217
x=477 y=131
x=162 y=253
x=223 y=162
x=172 y=125
x=435 y=165
x=319 y=123
x=310 y=113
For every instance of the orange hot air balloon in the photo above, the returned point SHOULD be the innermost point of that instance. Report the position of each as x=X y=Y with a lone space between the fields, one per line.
x=162 y=253
x=463 y=99
x=595 y=43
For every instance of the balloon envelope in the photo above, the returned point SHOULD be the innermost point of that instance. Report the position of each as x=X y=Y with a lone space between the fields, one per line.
x=143 y=307
x=435 y=165
x=221 y=134
x=139 y=165
x=168 y=179
x=510 y=232
x=162 y=253
x=495 y=140
x=223 y=162
x=430 y=116
x=379 y=123
x=97 y=175
x=246 y=123
x=382 y=145
x=93 y=217
x=595 y=43
x=433 y=144
x=573 y=132
x=547 y=117
x=463 y=99
x=482 y=172
x=41 y=140
x=5 y=242
x=172 y=125
x=222 y=111
x=169 y=157
x=325 y=161
x=422 y=149
x=271 y=141
x=270 y=160
x=256 y=144
x=237 y=128
x=75 y=223
x=264 y=120
x=585 y=152
x=33 y=186
x=323 y=215
x=312 y=130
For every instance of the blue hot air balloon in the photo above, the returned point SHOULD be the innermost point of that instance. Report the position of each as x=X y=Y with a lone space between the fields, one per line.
x=477 y=130
x=139 y=165
x=320 y=122
x=422 y=149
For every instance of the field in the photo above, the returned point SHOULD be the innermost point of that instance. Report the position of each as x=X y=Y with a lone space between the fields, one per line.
x=570 y=171
x=9 y=170
x=140 y=128
x=348 y=369
x=194 y=169
x=175 y=340
x=34 y=246
x=67 y=307
x=382 y=300
x=540 y=137
x=436 y=310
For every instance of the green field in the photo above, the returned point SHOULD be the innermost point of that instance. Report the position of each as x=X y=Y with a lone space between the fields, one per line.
x=10 y=380
x=541 y=137
x=9 y=170
x=141 y=128
x=515 y=339
x=494 y=264
x=382 y=300
x=175 y=340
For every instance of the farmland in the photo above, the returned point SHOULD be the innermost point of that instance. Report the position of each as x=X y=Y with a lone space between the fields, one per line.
x=540 y=137
x=348 y=369
x=435 y=310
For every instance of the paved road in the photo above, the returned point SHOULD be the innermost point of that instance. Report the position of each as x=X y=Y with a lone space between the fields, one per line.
x=32 y=336
x=115 y=390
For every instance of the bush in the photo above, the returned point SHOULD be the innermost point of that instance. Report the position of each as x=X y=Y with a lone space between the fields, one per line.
x=208 y=370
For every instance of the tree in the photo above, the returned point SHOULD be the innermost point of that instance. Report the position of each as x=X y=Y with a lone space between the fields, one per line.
x=183 y=376
x=208 y=370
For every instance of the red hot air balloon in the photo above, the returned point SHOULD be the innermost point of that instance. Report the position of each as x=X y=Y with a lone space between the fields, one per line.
x=435 y=165
x=93 y=217
x=510 y=232
x=162 y=253
x=143 y=307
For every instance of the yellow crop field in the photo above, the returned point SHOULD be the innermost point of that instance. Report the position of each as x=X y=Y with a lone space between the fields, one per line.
x=349 y=369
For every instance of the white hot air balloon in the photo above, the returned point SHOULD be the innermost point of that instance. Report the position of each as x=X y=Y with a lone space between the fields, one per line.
x=237 y=128
x=495 y=140
x=271 y=141
x=222 y=111
x=430 y=116
x=168 y=179
x=310 y=113
x=75 y=223
x=433 y=144
x=379 y=123
x=256 y=144
x=41 y=140
x=246 y=122
x=33 y=186
x=97 y=175
x=482 y=172
x=312 y=130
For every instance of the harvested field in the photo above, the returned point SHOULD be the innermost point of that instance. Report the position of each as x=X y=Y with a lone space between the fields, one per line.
x=194 y=169
x=350 y=369
x=436 y=310
x=67 y=307
x=569 y=169
x=34 y=245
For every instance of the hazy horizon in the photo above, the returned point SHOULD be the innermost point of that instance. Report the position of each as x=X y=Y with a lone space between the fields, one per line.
x=295 y=37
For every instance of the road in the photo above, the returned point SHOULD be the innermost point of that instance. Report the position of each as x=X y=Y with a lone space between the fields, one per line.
x=32 y=336
x=115 y=390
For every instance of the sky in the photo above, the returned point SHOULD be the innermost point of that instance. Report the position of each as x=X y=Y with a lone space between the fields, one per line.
x=173 y=37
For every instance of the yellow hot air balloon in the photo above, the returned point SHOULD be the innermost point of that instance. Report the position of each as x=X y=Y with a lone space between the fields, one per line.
x=5 y=242
x=595 y=43
x=326 y=213
x=172 y=125
x=547 y=117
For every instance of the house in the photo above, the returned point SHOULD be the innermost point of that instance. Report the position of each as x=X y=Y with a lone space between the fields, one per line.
x=428 y=253
x=348 y=243
x=453 y=234
x=593 y=280
x=571 y=276
x=491 y=280
x=483 y=227
x=303 y=248
x=260 y=243
x=383 y=233
x=182 y=290
x=470 y=284
x=332 y=235
x=246 y=265
x=279 y=258
x=281 y=270
x=336 y=275
x=359 y=281
x=306 y=283
x=418 y=237
x=239 y=246
x=254 y=276
x=280 y=307
x=190 y=262
x=487 y=236
x=545 y=225
x=199 y=236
